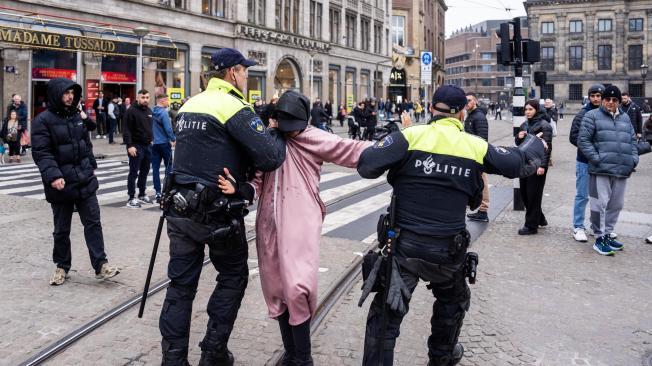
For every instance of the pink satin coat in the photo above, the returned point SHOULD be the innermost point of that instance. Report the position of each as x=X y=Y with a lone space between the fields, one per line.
x=289 y=219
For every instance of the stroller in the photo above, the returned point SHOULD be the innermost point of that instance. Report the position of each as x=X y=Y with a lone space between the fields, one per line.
x=354 y=128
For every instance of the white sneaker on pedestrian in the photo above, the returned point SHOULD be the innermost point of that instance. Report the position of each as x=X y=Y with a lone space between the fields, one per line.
x=580 y=235
x=649 y=239
x=107 y=271
x=145 y=199
x=98 y=136
x=58 y=277
x=103 y=136
x=133 y=203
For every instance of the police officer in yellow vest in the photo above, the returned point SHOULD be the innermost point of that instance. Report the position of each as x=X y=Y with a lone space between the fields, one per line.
x=436 y=172
x=216 y=129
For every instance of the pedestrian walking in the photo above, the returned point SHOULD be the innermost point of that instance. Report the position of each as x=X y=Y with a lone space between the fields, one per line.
x=113 y=111
x=531 y=187
x=647 y=130
x=341 y=114
x=582 y=165
x=288 y=255
x=418 y=110
x=217 y=129
x=562 y=108
x=12 y=130
x=318 y=115
x=634 y=112
x=552 y=113
x=138 y=138
x=371 y=118
x=607 y=140
x=499 y=109
x=476 y=124
x=99 y=105
x=63 y=154
x=435 y=172
x=20 y=107
x=328 y=108
x=164 y=140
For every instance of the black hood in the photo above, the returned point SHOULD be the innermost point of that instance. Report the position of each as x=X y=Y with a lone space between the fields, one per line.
x=56 y=88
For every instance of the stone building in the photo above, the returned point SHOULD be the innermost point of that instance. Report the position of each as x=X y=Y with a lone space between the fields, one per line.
x=416 y=26
x=589 y=41
x=471 y=62
x=345 y=42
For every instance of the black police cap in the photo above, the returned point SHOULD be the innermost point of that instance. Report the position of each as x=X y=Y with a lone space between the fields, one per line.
x=229 y=57
x=450 y=95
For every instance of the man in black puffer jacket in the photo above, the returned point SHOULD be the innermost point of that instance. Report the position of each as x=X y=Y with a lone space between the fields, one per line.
x=62 y=151
x=476 y=124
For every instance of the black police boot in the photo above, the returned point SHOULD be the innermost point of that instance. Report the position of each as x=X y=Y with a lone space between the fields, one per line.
x=288 y=340
x=214 y=351
x=447 y=359
x=174 y=356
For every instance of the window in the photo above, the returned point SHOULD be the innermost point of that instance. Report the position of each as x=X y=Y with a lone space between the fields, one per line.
x=286 y=13
x=604 y=25
x=315 y=19
x=378 y=38
x=177 y=4
x=213 y=7
x=334 y=24
x=635 y=57
x=547 y=58
x=398 y=30
x=486 y=55
x=485 y=82
x=296 y=5
x=604 y=57
x=575 y=92
x=575 y=26
x=548 y=91
x=575 y=57
x=277 y=13
x=636 y=25
x=547 y=28
x=486 y=68
x=635 y=90
x=365 y=86
x=500 y=81
x=364 y=33
x=256 y=11
x=350 y=30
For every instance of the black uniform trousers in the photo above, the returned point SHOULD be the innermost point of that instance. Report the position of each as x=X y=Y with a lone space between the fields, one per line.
x=452 y=301
x=187 y=240
x=89 y=214
x=532 y=195
x=139 y=168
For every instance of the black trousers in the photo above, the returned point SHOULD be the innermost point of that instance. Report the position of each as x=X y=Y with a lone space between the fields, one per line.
x=452 y=302
x=139 y=168
x=89 y=214
x=532 y=195
x=187 y=240
x=100 y=119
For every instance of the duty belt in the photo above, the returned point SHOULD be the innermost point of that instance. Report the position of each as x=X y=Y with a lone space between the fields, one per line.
x=205 y=205
x=455 y=243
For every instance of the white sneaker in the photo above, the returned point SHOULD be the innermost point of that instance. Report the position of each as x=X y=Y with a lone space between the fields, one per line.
x=59 y=277
x=103 y=136
x=98 y=136
x=133 y=203
x=580 y=235
x=649 y=239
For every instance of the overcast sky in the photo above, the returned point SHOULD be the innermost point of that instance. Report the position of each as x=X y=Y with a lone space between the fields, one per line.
x=466 y=12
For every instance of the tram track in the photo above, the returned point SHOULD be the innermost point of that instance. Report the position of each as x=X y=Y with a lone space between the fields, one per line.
x=342 y=285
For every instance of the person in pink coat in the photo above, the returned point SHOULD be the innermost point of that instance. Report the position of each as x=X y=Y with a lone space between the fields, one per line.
x=289 y=221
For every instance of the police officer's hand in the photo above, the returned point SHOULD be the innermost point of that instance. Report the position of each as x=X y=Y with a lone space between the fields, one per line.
x=226 y=185
x=406 y=121
x=272 y=123
x=132 y=152
x=58 y=184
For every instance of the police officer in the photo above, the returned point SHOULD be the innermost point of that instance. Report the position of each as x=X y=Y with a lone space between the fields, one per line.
x=216 y=129
x=435 y=171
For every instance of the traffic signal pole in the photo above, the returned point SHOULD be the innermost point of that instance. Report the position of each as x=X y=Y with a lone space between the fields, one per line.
x=518 y=101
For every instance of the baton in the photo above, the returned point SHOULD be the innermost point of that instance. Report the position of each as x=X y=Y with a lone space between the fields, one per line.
x=151 y=264
x=392 y=235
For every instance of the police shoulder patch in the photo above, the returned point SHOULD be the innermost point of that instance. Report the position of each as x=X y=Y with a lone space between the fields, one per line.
x=501 y=150
x=388 y=140
x=257 y=125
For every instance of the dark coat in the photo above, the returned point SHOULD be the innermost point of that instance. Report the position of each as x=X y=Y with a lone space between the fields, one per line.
x=635 y=114
x=21 y=112
x=553 y=114
x=647 y=129
x=476 y=124
x=317 y=115
x=138 y=126
x=61 y=146
x=535 y=125
x=608 y=143
x=575 y=131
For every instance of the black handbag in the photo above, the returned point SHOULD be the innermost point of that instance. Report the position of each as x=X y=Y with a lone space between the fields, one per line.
x=643 y=147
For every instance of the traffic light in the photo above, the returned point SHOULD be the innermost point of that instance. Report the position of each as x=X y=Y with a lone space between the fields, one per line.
x=540 y=78
x=504 y=50
x=531 y=51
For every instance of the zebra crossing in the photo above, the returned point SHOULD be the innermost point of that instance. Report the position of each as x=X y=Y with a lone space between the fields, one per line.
x=361 y=199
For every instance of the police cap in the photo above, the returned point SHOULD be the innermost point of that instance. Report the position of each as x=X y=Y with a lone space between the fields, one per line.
x=293 y=111
x=229 y=57
x=450 y=95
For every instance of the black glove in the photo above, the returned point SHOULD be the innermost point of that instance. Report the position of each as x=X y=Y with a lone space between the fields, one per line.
x=370 y=281
x=398 y=295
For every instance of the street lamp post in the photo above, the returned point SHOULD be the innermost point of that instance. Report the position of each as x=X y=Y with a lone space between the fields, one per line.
x=475 y=50
x=312 y=72
x=644 y=68
x=141 y=32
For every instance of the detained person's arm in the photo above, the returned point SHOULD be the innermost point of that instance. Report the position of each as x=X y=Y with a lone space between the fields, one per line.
x=229 y=186
x=518 y=161
x=382 y=155
x=265 y=147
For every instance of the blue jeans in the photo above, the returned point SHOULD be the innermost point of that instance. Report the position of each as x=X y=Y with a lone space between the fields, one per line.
x=160 y=152
x=581 y=193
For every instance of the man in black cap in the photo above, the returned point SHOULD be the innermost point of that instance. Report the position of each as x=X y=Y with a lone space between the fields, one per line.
x=217 y=128
x=607 y=139
x=435 y=171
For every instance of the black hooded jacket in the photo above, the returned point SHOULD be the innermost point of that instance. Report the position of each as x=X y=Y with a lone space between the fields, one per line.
x=61 y=147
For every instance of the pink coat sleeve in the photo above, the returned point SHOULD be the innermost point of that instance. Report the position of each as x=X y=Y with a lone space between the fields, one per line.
x=333 y=149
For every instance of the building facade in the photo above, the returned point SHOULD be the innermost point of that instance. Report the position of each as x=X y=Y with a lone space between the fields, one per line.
x=416 y=26
x=471 y=62
x=335 y=50
x=584 y=42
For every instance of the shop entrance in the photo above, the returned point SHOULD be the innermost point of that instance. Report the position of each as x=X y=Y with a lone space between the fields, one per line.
x=121 y=90
x=287 y=77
